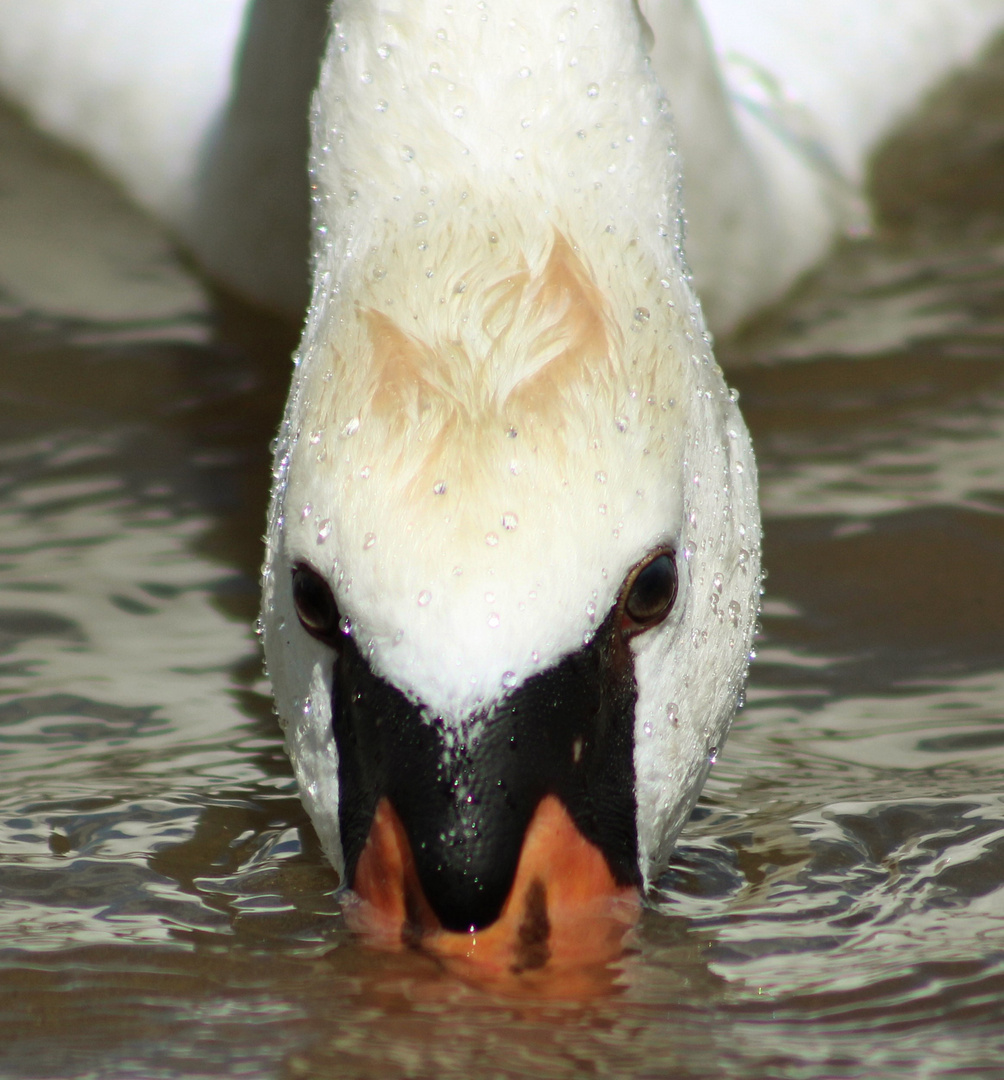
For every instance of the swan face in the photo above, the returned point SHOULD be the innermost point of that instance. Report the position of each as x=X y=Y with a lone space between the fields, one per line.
x=506 y=439
x=476 y=482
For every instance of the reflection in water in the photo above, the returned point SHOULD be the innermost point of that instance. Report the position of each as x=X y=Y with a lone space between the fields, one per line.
x=835 y=908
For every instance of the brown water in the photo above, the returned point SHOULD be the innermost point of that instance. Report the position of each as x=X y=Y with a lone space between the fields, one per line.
x=836 y=906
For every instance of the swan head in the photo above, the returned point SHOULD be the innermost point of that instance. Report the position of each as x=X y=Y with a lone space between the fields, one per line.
x=513 y=557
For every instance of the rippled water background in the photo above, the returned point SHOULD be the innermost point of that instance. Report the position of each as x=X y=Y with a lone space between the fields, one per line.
x=836 y=907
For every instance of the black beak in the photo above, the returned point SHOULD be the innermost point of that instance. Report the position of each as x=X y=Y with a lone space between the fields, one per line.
x=465 y=794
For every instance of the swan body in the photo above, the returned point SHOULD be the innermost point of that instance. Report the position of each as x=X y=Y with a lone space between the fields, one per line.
x=198 y=109
x=136 y=85
x=809 y=90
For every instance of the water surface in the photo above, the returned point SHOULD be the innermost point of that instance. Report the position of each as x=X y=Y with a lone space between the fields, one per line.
x=836 y=906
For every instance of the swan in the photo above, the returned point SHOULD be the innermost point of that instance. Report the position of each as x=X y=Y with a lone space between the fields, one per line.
x=512 y=566
x=513 y=558
x=512 y=562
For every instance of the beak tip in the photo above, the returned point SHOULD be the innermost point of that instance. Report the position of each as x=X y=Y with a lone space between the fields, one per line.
x=565 y=910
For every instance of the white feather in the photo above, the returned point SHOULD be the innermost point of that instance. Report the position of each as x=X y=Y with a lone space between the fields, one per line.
x=777 y=104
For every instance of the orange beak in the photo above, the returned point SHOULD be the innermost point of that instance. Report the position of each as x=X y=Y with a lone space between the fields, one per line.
x=565 y=913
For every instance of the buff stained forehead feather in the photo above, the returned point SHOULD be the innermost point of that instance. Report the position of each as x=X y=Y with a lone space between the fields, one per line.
x=509 y=337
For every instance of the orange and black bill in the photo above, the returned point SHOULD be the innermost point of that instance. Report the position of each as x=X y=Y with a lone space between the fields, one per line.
x=508 y=842
x=564 y=920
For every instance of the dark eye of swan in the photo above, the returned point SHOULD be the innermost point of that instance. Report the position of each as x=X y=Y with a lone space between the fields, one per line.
x=315 y=604
x=650 y=594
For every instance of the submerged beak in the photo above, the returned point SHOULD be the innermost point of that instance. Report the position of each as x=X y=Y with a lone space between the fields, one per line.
x=564 y=911
x=509 y=842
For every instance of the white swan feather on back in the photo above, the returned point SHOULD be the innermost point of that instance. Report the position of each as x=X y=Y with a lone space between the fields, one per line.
x=198 y=108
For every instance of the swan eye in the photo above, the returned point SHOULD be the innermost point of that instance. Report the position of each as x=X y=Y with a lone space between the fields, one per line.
x=315 y=604
x=650 y=595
